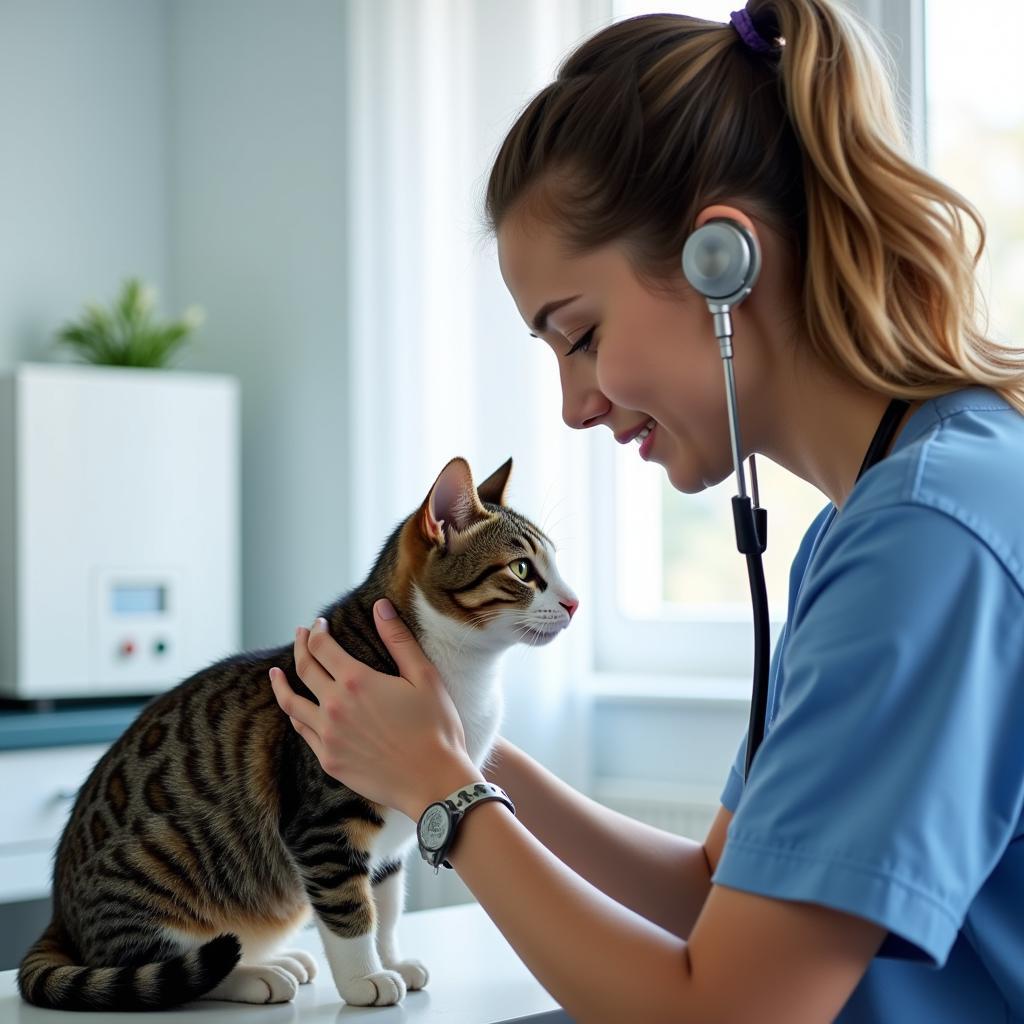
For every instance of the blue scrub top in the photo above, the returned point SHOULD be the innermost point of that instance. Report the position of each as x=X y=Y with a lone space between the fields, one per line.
x=890 y=782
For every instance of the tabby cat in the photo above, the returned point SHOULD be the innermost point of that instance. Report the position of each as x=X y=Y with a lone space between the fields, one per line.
x=204 y=835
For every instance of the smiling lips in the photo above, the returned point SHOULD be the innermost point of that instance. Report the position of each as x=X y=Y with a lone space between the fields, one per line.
x=647 y=444
x=642 y=431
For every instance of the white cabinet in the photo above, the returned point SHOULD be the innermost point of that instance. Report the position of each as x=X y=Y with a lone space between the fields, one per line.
x=121 y=529
x=37 y=791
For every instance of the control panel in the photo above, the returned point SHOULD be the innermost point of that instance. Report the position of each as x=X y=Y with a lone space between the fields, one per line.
x=136 y=626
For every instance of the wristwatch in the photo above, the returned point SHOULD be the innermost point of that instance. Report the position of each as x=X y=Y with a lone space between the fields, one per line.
x=435 y=830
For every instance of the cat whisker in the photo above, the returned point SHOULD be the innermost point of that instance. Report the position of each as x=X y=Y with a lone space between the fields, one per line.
x=550 y=530
x=546 y=516
x=544 y=502
x=525 y=629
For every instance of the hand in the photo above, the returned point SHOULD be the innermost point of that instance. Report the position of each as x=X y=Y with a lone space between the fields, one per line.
x=396 y=740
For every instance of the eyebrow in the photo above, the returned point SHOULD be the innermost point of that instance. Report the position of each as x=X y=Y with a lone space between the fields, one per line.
x=540 y=321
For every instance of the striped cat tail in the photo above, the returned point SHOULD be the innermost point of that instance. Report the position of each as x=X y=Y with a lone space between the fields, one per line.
x=48 y=977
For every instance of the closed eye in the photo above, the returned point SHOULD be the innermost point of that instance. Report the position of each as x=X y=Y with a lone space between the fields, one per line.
x=583 y=344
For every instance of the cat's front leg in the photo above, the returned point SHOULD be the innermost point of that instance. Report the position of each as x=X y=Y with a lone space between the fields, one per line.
x=339 y=889
x=389 y=895
x=359 y=975
x=330 y=846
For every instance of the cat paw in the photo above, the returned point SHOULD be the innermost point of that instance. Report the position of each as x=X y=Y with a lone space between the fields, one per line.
x=296 y=962
x=413 y=972
x=382 y=988
x=256 y=983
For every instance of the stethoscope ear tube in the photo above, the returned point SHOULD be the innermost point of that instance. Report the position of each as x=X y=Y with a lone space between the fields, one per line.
x=751 y=539
x=721 y=260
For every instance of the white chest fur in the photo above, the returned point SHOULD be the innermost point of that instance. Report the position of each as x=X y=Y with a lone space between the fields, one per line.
x=471 y=678
x=469 y=671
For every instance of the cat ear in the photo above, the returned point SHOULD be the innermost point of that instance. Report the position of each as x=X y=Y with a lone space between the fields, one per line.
x=494 y=487
x=452 y=503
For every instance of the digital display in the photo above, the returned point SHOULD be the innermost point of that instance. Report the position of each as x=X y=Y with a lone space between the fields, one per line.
x=134 y=600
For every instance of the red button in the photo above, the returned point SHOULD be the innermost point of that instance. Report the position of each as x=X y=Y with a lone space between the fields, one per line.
x=127 y=648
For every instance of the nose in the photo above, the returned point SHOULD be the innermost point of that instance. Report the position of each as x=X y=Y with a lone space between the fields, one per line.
x=579 y=417
x=583 y=405
x=584 y=412
x=570 y=606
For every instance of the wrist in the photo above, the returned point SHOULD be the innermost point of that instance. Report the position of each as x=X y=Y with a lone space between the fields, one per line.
x=443 y=779
x=440 y=824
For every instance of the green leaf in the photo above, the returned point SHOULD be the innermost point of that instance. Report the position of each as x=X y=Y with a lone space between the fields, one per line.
x=127 y=334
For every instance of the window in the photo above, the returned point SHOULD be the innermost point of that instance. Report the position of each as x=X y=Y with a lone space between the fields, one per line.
x=975 y=139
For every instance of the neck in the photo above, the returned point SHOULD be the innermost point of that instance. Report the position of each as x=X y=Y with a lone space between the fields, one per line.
x=802 y=414
x=820 y=429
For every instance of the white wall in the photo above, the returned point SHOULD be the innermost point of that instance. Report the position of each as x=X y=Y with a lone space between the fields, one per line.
x=256 y=203
x=200 y=146
x=82 y=160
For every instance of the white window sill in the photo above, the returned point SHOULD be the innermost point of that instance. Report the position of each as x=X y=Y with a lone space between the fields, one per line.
x=641 y=688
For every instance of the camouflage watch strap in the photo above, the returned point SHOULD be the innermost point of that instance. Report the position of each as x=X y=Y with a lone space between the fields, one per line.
x=462 y=800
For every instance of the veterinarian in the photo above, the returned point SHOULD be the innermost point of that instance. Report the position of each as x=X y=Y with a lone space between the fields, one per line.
x=871 y=865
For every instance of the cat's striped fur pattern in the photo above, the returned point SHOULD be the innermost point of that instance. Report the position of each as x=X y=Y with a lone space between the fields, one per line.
x=207 y=832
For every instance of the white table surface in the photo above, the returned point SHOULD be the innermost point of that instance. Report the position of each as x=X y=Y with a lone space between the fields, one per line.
x=475 y=978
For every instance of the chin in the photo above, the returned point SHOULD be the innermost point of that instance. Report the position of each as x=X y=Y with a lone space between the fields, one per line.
x=690 y=477
x=535 y=638
x=685 y=483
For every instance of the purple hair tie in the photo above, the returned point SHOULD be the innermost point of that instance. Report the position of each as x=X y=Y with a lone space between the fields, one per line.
x=742 y=23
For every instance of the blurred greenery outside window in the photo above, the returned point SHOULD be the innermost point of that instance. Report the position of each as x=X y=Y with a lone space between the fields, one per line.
x=683 y=562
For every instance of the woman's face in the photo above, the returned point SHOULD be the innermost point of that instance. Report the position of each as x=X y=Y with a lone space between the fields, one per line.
x=647 y=356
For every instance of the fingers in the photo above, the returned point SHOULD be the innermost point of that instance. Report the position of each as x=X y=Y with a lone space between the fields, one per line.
x=301 y=713
x=294 y=706
x=316 y=744
x=312 y=653
x=401 y=644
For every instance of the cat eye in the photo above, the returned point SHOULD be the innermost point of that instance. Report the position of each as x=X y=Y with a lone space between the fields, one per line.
x=522 y=568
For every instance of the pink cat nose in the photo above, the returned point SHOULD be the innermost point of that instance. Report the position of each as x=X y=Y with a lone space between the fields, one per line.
x=570 y=606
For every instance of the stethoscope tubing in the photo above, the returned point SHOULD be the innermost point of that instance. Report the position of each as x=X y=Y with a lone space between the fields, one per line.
x=751 y=524
x=751 y=539
x=721 y=260
x=759 y=601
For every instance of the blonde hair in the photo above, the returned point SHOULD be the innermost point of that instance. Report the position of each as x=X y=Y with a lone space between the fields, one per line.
x=656 y=117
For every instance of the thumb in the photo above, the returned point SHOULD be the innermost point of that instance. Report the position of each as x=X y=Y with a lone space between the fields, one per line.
x=400 y=642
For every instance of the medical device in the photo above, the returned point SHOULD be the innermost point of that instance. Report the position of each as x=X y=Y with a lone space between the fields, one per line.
x=722 y=260
x=119 y=528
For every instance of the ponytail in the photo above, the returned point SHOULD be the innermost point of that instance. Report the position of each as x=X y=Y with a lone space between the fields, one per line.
x=656 y=117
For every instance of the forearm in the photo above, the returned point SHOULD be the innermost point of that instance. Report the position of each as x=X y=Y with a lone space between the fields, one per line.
x=600 y=961
x=663 y=877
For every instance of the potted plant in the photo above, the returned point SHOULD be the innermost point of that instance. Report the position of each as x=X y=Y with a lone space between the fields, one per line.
x=128 y=334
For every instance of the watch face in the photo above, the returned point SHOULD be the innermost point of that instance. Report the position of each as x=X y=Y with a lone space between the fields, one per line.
x=434 y=825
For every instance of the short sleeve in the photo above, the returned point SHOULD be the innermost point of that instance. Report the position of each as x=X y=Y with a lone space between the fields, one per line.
x=733 y=789
x=892 y=777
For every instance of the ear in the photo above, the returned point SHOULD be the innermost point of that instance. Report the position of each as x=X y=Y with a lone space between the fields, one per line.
x=493 y=489
x=452 y=503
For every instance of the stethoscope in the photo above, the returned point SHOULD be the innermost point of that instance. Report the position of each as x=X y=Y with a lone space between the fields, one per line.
x=721 y=260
